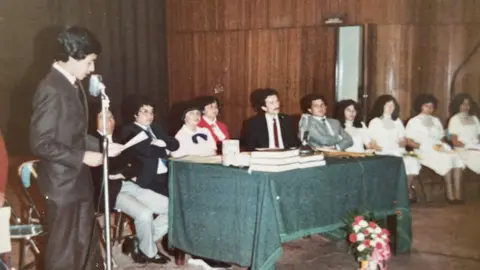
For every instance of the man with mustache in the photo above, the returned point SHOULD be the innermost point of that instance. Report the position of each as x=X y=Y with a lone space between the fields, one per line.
x=270 y=128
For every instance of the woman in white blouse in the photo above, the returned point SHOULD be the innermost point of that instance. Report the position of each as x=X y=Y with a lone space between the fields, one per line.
x=387 y=133
x=425 y=134
x=194 y=140
x=348 y=113
x=464 y=130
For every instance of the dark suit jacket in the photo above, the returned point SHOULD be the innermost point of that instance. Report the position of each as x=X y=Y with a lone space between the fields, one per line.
x=124 y=164
x=58 y=136
x=257 y=136
x=148 y=155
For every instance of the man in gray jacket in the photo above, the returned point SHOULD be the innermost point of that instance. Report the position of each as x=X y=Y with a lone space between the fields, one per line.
x=318 y=131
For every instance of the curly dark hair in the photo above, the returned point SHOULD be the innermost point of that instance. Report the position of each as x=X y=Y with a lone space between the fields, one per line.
x=377 y=109
x=340 y=112
x=423 y=99
x=204 y=101
x=306 y=101
x=77 y=42
x=457 y=102
x=258 y=97
x=131 y=106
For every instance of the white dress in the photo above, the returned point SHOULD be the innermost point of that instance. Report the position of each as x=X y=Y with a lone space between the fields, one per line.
x=467 y=130
x=359 y=135
x=387 y=134
x=428 y=131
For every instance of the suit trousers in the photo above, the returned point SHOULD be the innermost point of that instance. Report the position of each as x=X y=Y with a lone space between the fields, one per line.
x=140 y=204
x=72 y=241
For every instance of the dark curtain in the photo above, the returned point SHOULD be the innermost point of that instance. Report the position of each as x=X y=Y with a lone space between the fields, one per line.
x=133 y=60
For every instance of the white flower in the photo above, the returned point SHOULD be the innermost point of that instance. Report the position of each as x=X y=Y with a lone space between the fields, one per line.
x=384 y=236
x=356 y=228
x=363 y=223
x=361 y=247
x=378 y=230
x=374 y=235
x=360 y=237
x=370 y=230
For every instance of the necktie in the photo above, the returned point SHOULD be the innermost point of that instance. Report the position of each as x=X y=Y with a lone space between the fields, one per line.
x=150 y=132
x=79 y=94
x=275 y=133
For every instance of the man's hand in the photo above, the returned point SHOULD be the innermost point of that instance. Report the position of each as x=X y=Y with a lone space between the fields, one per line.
x=114 y=149
x=92 y=159
x=159 y=143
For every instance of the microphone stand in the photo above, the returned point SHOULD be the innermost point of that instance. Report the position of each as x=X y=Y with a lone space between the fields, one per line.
x=105 y=107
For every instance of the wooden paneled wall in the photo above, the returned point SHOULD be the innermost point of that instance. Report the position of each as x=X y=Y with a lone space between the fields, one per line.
x=416 y=45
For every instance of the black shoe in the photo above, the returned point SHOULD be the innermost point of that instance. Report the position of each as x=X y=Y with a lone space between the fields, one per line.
x=161 y=255
x=131 y=247
x=213 y=263
x=159 y=259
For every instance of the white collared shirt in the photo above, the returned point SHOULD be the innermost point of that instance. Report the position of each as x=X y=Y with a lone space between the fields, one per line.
x=72 y=79
x=215 y=128
x=109 y=136
x=271 y=136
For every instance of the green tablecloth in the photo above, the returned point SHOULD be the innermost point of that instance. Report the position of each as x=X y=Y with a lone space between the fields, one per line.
x=230 y=215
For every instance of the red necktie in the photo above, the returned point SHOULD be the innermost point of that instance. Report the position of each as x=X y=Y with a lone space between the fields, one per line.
x=275 y=133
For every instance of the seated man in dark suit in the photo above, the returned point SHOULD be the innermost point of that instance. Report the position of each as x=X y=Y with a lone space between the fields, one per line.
x=152 y=152
x=133 y=200
x=270 y=129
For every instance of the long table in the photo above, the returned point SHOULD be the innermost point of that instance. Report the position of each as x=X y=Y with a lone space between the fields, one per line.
x=231 y=215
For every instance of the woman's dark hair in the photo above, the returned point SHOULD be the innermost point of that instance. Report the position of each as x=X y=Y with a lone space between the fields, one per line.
x=378 y=107
x=457 y=102
x=423 y=99
x=204 y=101
x=340 y=112
x=132 y=104
x=306 y=101
x=78 y=43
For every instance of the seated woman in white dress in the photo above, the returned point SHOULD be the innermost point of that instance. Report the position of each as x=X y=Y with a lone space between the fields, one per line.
x=425 y=134
x=194 y=140
x=464 y=130
x=348 y=114
x=387 y=134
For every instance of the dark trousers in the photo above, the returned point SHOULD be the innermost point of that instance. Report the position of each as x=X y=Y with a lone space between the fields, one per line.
x=73 y=231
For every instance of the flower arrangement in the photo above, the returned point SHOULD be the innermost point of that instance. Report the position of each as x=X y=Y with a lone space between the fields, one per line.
x=369 y=242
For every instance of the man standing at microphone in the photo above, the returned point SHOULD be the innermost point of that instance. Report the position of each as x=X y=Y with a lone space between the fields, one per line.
x=59 y=138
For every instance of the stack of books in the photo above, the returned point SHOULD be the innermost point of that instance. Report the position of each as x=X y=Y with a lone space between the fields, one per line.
x=273 y=160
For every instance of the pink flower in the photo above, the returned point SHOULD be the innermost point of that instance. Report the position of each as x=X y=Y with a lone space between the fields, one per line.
x=358 y=218
x=367 y=243
x=372 y=224
x=352 y=238
x=386 y=232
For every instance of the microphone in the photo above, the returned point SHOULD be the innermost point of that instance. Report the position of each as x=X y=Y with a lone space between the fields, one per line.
x=96 y=86
x=306 y=149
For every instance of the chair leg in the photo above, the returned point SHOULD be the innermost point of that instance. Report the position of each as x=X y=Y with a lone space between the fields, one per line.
x=23 y=251
x=118 y=229
x=420 y=188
